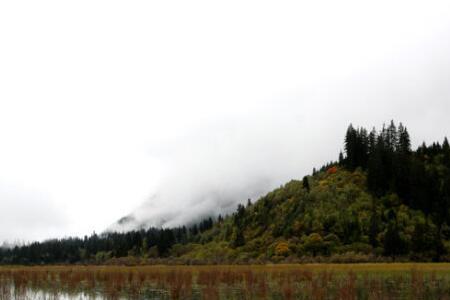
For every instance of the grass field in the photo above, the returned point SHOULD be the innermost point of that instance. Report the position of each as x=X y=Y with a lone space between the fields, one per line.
x=313 y=281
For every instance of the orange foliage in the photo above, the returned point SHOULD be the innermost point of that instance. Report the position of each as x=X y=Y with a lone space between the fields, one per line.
x=282 y=249
x=332 y=170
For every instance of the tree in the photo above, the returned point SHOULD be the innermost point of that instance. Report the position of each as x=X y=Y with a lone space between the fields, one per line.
x=373 y=233
x=418 y=186
x=402 y=165
x=377 y=179
x=314 y=244
x=421 y=240
x=446 y=151
x=351 y=227
x=372 y=141
x=445 y=145
x=144 y=247
x=362 y=148
x=282 y=249
x=194 y=229
x=341 y=158
x=394 y=245
x=403 y=141
x=237 y=238
x=442 y=201
x=306 y=184
x=357 y=146
x=350 y=146
x=390 y=136
x=240 y=216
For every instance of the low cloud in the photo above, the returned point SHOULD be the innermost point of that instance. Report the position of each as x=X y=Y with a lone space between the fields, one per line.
x=27 y=214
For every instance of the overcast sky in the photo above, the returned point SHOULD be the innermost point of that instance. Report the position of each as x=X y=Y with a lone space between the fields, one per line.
x=193 y=106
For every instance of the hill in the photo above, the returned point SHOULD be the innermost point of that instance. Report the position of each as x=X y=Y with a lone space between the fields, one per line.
x=336 y=219
x=379 y=201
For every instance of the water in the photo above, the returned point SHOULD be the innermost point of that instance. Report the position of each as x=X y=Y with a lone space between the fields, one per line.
x=31 y=294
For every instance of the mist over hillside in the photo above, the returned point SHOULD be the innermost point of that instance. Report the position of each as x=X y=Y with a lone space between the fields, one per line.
x=228 y=164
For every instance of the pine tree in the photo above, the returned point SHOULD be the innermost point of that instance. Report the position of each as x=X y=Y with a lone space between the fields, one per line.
x=446 y=151
x=238 y=238
x=194 y=230
x=403 y=141
x=377 y=179
x=372 y=141
x=445 y=145
x=422 y=150
x=402 y=165
x=306 y=183
x=210 y=223
x=144 y=247
x=239 y=216
x=363 y=148
x=393 y=243
x=350 y=145
x=442 y=201
x=391 y=137
x=373 y=228
x=418 y=186
x=421 y=243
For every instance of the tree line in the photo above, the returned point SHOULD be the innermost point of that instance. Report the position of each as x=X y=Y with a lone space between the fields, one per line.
x=152 y=242
x=420 y=179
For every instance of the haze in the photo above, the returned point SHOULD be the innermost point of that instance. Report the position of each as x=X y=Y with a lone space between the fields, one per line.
x=193 y=106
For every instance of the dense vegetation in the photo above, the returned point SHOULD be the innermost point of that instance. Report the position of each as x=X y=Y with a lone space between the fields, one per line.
x=379 y=201
x=151 y=243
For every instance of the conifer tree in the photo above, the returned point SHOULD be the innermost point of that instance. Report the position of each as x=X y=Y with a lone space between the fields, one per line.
x=446 y=151
x=402 y=165
x=403 y=141
x=391 y=137
x=238 y=238
x=306 y=183
x=377 y=180
x=393 y=243
x=421 y=243
x=372 y=141
x=445 y=145
x=373 y=228
x=350 y=145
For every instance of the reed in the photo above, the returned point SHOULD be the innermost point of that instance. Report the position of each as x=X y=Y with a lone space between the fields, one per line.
x=346 y=282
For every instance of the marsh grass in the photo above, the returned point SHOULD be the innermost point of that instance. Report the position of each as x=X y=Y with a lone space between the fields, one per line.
x=369 y=281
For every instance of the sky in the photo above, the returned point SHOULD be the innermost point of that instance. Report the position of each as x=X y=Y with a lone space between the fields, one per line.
x=171 y=110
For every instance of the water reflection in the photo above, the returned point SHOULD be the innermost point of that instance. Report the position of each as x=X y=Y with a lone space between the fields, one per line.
x=32 y=294
x=224 y=282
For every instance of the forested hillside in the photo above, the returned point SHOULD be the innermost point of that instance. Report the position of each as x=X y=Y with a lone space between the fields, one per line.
x=379 y=201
